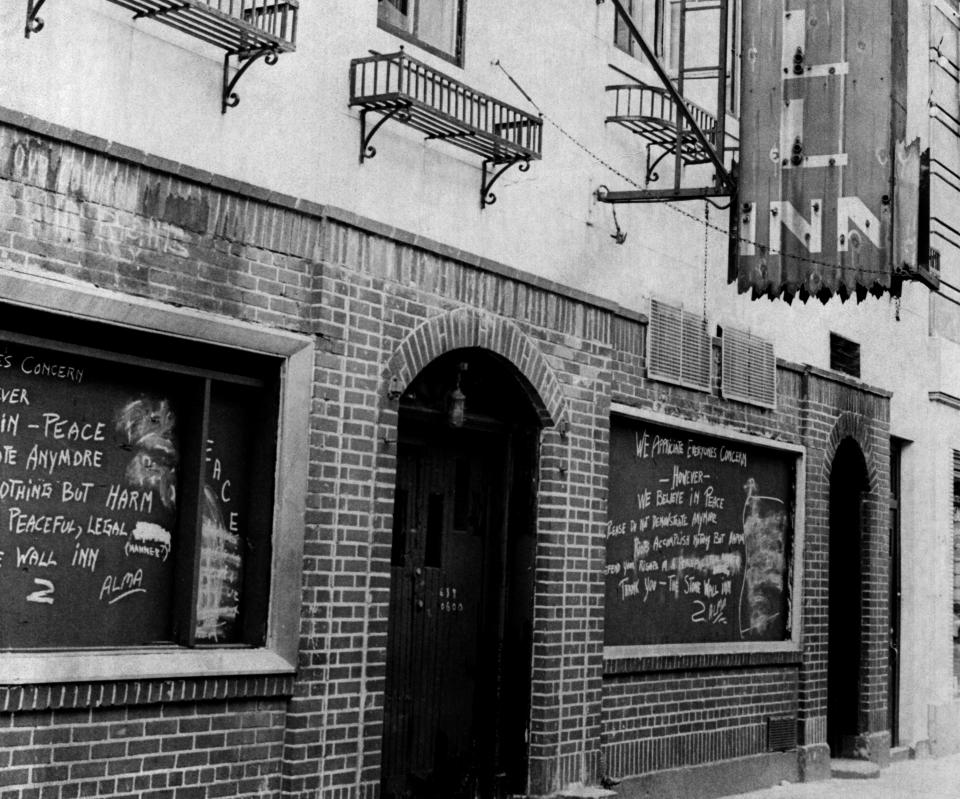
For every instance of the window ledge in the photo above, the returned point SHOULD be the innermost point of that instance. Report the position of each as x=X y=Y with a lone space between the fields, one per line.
x=32 y=668
x=75 y=680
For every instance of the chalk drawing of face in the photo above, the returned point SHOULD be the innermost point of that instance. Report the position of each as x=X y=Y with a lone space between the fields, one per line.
x=147 y=426
x=764 y=534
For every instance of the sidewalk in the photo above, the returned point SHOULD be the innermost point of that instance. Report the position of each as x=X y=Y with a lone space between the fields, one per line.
x=930 y=778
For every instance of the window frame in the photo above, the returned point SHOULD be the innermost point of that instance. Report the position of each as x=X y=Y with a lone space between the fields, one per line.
x=278 y=654
x=634 y=658
x=456 y=57
x=659 y=8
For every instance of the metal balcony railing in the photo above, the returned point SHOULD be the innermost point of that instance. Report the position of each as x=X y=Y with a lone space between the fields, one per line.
x=399 y=87
x=650 y=112
x=245 y=29
x=233 y=25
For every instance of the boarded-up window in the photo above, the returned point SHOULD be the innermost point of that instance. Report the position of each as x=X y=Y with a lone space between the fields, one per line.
x=699 y=538
x=136 y=495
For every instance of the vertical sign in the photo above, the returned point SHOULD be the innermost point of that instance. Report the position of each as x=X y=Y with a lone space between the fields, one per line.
x=816 y=165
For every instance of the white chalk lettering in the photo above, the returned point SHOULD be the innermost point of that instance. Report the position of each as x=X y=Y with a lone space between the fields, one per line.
x=43 y=596
x=21 y=523
x=61 y=429
x=14 y=396
x=9 y=423
x=74 y=493
x=32 y=366
x=119 y=498
x=49 y=460
x=85 y=557
x=31 y=556
x=115 y=588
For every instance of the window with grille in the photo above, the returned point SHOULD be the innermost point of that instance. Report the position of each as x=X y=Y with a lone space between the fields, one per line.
x=749 y=369
x=680 y=348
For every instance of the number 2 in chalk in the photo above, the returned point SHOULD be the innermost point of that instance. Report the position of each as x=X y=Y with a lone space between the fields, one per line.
x=45 y=595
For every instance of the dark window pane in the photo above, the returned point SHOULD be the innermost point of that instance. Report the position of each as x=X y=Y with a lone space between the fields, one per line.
x=229 y=519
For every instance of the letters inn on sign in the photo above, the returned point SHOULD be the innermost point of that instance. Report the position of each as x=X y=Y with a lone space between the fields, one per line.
x=816 y=185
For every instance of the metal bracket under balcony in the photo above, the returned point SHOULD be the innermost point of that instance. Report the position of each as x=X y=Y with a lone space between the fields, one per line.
x=399 y=87
x=246 y=29
x=651 y=113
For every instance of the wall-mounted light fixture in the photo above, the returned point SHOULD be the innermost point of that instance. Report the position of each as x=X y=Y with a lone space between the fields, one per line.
x=457 y=401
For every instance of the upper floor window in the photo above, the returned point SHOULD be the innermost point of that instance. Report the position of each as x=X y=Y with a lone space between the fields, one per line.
x=435 y=25
x=648 y=16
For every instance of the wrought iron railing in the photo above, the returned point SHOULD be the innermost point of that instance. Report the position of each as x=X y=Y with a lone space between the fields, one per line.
x=234 y=25
x=246 y=30
x=444 y=108
x=640 y=101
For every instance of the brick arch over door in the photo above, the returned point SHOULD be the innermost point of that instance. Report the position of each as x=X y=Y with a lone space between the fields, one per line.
x=855 y=426
x=469 y=328
x=871 y=704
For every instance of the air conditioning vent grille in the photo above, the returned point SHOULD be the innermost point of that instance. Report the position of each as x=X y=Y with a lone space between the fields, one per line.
x=749 y=371
x=679 y=350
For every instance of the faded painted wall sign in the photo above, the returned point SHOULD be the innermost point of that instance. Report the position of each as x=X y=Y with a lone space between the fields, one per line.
x=816 y=166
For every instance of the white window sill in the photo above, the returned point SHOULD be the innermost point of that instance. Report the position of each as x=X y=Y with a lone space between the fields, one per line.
x=36 y=668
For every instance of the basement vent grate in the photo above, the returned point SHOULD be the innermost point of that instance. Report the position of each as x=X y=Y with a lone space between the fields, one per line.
x=781 y=733
x=749 y=370
x=680 y=349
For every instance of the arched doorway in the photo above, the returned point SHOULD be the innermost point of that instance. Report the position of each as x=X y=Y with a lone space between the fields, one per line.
x=459 y=638
x=849 y=483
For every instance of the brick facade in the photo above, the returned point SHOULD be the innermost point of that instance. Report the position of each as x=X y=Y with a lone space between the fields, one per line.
x=382 y=304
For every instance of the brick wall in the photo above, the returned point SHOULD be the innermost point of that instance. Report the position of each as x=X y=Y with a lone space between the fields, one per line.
x=200 y=749
x=382 y=304
x=662 y=721
x=76 y=214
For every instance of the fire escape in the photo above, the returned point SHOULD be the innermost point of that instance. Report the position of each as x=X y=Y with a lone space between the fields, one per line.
x=686 y=152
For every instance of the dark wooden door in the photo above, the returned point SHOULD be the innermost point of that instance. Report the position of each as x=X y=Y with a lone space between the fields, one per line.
x=446 y=601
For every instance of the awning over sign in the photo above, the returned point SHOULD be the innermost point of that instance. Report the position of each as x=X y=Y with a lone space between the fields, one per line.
x=816 y=198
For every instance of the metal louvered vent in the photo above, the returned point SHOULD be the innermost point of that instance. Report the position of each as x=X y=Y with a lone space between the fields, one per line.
x=679 y=350
x=781 y=733
x=749 y=371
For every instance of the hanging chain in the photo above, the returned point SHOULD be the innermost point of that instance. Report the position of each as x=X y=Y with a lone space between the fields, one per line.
x=706 y=238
